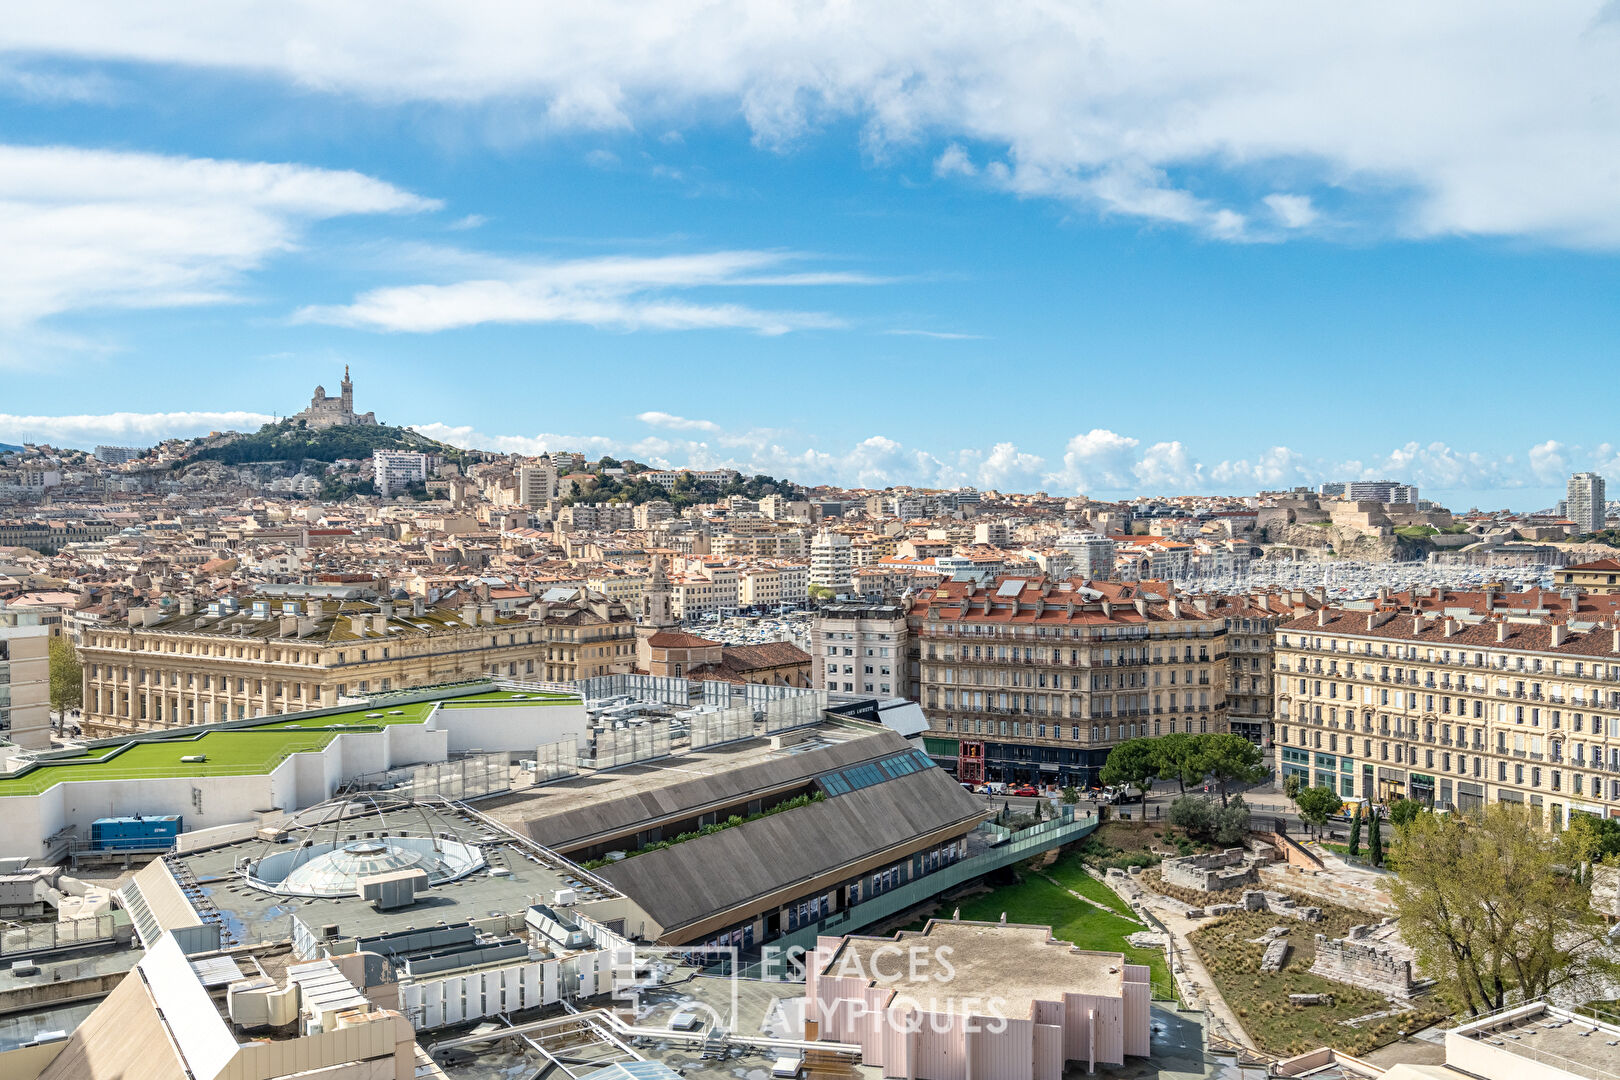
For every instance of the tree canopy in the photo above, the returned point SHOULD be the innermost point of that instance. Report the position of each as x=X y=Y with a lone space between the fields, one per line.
x=67 y=675
x=1491 y=904
x=1229 y=759
x=1317 y=804
x=1133 y=763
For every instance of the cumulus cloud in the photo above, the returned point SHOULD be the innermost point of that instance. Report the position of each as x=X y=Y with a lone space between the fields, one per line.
x=1098 y=460
x=1291 y=211
x=1127 y=107
x=85 y=229
x=676 y=423
x=123 y=428
x=619 y=292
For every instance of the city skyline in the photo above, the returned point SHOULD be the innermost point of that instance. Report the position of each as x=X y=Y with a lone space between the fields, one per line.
x=799 y=257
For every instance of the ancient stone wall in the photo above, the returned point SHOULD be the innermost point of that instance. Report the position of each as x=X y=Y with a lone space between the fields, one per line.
x=1210 y=873
x=1370 y=967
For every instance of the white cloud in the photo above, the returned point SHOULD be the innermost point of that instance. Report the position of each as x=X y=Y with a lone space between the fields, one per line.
x=954 y=161
x=1099 y=460
x=676 y=423
x=937 y=335
x=1291 y=211
x=1490 y=118
x=123 y=428
x=107 y=229
x=627 y=293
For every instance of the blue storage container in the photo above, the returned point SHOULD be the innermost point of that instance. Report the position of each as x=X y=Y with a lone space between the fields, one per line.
x=134 y=833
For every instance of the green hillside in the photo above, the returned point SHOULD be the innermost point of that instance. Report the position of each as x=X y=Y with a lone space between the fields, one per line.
x=290 y=440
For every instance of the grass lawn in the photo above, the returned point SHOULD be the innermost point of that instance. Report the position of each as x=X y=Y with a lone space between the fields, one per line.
x=1230 y=949
x=1072 y=874
x=1037 y=901
x=246 y=751
x=507 y=697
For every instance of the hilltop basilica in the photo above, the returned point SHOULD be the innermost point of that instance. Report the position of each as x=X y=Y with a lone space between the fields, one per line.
x=330 y=412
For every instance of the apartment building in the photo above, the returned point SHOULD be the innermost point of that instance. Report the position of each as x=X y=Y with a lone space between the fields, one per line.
x=622 y=584
x=25 y=679
x=1251 y=622
x=702 y=587
x=1586 y=502
x=299 y=648
x=831 y=562
x=860 y=648
x=536 y=483
x=1093 y=555
x=1033 y=680
x=1455 y=702
x=771 y=584
x=666 y=478
x=396 y=470
x=1601 y=576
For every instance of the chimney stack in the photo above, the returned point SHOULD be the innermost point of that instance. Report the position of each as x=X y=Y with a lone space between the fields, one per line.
x=469 y=614
x=1321 y=616
x=1501 y=631
x=1558 y=630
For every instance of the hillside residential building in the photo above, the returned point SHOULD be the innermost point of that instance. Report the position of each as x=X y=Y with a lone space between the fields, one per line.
x=666 y=478
x=396 y=470
x=1032 y=680
x=1586 y=503
x=176 y=665
x=536 y=483
x=25 y=679
x=1456 y=701
x=861 y=648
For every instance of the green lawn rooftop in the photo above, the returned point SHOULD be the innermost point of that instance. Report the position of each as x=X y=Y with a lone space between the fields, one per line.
x=241 y=751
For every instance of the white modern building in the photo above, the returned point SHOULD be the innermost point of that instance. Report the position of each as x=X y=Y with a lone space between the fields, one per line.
x=1093 y=555
x=831 y=560
x=1586 y=503
x=397 y=470
x=536 y=483
x=25 y=678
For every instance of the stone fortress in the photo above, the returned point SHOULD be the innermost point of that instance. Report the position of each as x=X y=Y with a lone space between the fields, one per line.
x=330 y=412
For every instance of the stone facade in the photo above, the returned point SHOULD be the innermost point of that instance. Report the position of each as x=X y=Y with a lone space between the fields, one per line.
x=330 y=412
x=1360 y=961
x=1210 y=873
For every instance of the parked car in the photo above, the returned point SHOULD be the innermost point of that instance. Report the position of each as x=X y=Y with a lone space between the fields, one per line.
x=1026 y=791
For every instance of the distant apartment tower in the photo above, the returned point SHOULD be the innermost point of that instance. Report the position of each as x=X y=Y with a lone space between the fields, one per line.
x=860 y=649
x=1384 y=491
x=537 y=483
x=117 y=455
x=1586 y=502
x=25 y=679
x=1092 y=553
x=831 y=560
x=397 y=470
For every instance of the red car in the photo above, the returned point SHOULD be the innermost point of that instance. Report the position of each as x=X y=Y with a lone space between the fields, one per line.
x=1026 y=792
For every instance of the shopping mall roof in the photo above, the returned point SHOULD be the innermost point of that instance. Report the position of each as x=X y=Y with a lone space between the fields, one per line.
x=252 y=747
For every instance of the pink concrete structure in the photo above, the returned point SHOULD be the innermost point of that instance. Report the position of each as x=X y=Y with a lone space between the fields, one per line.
x=977 y=1001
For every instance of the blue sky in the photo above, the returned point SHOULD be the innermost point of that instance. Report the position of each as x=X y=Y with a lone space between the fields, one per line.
x=1114 y=248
